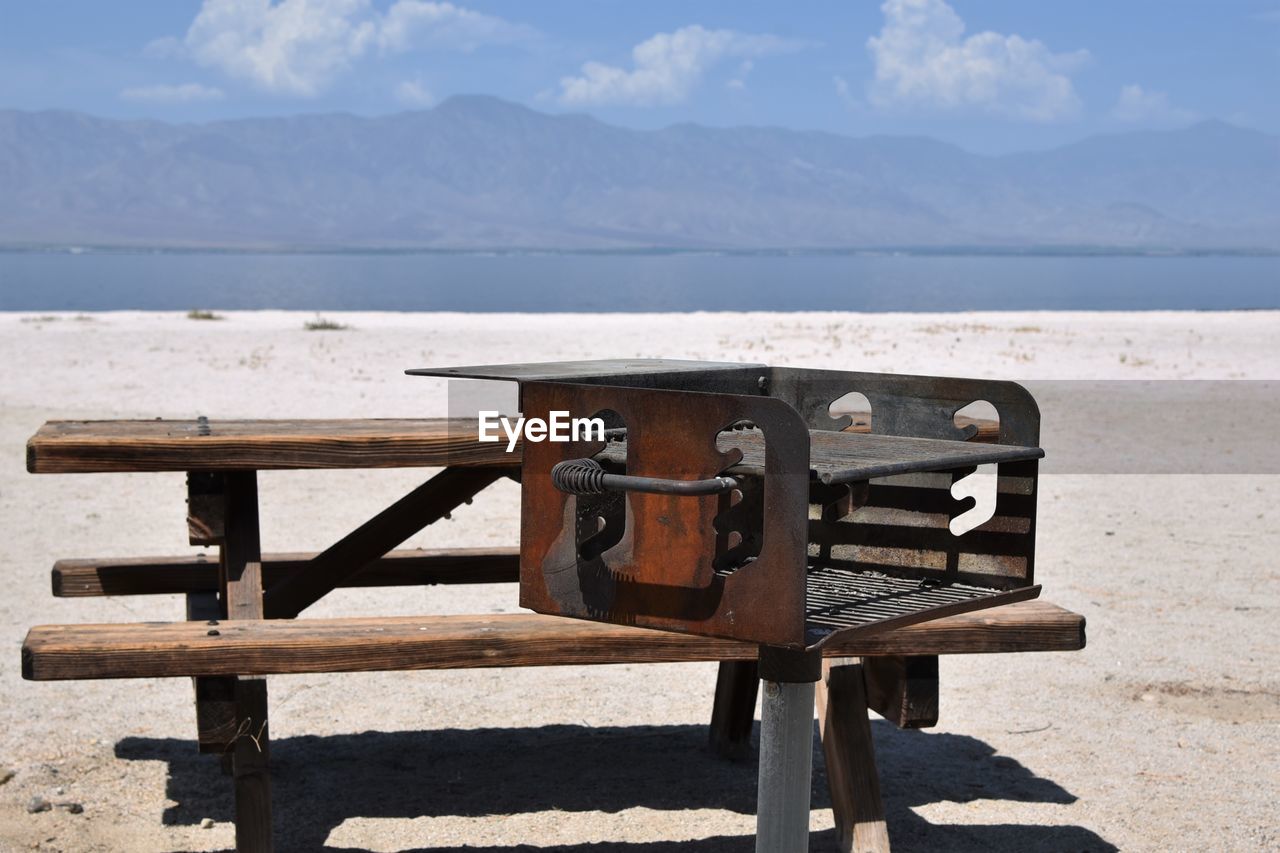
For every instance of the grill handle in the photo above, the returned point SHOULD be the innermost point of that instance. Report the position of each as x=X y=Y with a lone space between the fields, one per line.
x=586 y=477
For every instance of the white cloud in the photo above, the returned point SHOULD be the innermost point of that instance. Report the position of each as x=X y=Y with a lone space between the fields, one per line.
x=295 y=46
x=415 y=22
x=183 y=93
x=667 y=66
x=923 y=60
x=413 y=93
x=1139 y=105
x=298 y=47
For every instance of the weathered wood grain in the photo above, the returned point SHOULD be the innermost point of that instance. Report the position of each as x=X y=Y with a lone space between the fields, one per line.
x=250 y=762
x=215 y=697
x=850 y=755
x=206 y=507
x=69 y=447
x=215 y=714
x=733 y=713
x=242 y=600
x=903 y=689
x=241 y=578
x=151 y=650
x=193 y=573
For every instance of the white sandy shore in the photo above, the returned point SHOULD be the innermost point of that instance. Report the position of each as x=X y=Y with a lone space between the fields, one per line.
x=1163 y=734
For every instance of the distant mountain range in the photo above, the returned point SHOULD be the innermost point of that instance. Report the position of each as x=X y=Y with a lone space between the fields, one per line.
x=477 y=172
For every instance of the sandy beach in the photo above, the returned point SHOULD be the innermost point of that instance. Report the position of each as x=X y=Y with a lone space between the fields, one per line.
x=1164 y=734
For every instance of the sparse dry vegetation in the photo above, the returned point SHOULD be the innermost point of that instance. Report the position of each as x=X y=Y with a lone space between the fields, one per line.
x=320 y=324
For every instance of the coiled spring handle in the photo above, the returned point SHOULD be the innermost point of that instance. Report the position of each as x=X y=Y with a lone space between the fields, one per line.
x=586 y=477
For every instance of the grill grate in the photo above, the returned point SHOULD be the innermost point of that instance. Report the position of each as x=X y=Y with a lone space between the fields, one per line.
x=842 y=599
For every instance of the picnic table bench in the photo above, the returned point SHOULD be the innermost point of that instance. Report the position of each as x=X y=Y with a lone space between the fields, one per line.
x=241 y=620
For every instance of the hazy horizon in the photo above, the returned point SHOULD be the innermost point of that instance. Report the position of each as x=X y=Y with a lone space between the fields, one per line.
x=578 y=114
x=481 y=173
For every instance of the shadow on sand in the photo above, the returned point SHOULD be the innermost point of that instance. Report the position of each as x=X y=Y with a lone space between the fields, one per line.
x=320 y=782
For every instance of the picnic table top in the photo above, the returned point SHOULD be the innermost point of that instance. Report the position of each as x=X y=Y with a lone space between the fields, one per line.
x=99 y=446
x=74 y=447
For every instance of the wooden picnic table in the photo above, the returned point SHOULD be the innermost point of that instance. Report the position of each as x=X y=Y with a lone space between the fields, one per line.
x=81 y=447
x=222 y=459
x=229 y=641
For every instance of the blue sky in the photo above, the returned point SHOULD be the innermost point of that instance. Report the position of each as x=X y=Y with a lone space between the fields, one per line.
x=992 y=75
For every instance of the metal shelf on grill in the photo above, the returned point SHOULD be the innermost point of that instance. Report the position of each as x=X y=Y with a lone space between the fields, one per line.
x=848 y=457
x=842 y=599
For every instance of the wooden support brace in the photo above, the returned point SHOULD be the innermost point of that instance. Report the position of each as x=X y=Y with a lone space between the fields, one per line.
x=903 y=689
x=425 y=505
x=851 y=768
x=734 y=711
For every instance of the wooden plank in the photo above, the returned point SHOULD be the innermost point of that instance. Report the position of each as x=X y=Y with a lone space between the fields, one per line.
x=903 y=689
x=425 y=505
x=162 y=649
x=66 y=447
x=194 y=573
x=850 y=755
x=734 y=711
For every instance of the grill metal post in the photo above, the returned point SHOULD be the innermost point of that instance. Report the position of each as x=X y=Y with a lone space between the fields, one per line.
x=786 y=768
x=786 y=749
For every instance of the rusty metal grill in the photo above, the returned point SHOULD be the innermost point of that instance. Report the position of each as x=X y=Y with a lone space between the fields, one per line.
x=728 y=500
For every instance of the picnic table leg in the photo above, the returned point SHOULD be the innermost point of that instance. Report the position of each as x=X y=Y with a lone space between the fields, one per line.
x=903 y=689
x=851 y=765
x=734 y=710
x=242 y=596
x=250 y=768
x=215 y=696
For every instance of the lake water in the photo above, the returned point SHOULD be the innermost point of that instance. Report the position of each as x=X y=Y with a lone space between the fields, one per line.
x=96 y=281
